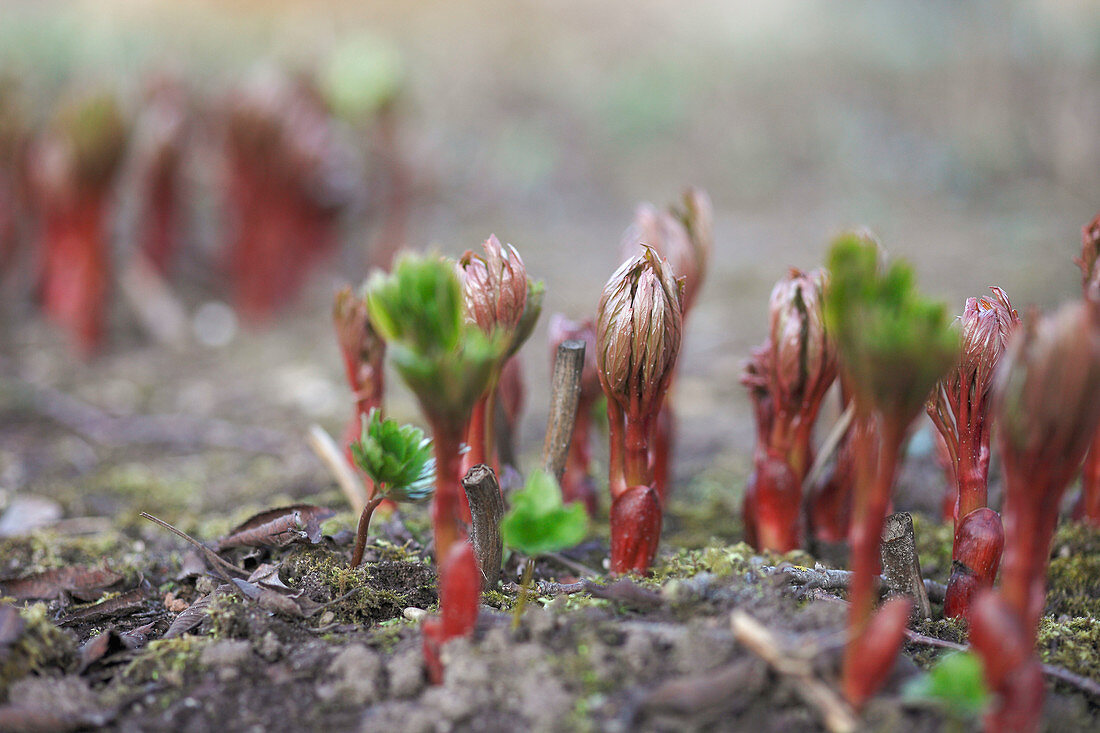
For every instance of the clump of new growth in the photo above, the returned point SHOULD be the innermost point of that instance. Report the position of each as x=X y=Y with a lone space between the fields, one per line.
x=1047 y=405
x=787 y=378
x=398 y=459
x=893 y=346
x=959 y=408
x=447 y=361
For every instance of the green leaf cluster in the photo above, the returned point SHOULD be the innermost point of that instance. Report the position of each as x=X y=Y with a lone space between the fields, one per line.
x=398 y=458
x=893 y=343
x=539 y=522
x=955 y=682
x=444 y=359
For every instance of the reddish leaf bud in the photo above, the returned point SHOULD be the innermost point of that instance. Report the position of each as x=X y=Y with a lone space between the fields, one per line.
x=979 y=541
x=494 y=286
x=1048 y=403
x=638 y=333
x=362 y=348
x=635 y=530
x=874 y=652
x=803 y=356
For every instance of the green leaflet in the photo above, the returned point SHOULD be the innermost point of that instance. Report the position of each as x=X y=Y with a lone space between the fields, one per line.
x=538 y=522
x=955 y=682
x=398 y=458
x=893 y=343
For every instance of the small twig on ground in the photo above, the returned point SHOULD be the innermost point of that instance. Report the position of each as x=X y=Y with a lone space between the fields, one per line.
x=181 y=432
x=486 y=511
x=1082 y=683
x=833 y=579
x=565 y=390
x=835 y=713
x=219 y=565
x=573 y=565
x=330 y=454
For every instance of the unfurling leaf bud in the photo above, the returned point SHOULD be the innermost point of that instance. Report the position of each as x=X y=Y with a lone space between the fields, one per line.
x=893 y=344
x=638 y=333
x=682 y=236
x=803 y=356
x=635 y=530
x=986 y=325
x=445 y=360
x=1048 y=397
x=494 y=287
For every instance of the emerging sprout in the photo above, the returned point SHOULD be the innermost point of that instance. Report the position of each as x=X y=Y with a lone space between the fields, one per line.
x=539 y=522
x=398 y=459
x=959 y=408
x=893 y=347
x=787 y=377
x=1047 y=404
x=363 y=352
x=495 y=290
x=1088 y=503
x=445 y=360
x=638 y=331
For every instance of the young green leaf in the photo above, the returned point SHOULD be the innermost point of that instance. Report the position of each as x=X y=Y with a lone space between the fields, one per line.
x=538 y=522
x=955 y=682
x=893 y=343
x=398 y=458
x=446 y=360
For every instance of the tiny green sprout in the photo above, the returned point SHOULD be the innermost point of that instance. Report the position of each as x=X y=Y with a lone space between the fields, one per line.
x=398 y=458
x=955 y=683
x=539 y=522
x=894 y=344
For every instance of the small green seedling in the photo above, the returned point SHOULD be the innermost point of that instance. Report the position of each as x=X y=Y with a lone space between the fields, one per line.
x=398 y=459
x=955 y=683
x=539 y=522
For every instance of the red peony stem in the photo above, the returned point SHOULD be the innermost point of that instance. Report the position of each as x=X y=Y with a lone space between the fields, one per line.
x=447 y=503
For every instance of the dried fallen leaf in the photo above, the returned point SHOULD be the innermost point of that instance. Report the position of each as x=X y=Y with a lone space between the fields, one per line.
x=190 y=618
x=278 y=527
x=121 y=605
x=82 y=582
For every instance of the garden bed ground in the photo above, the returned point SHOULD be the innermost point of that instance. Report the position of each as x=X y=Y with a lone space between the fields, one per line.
x=659 y=657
